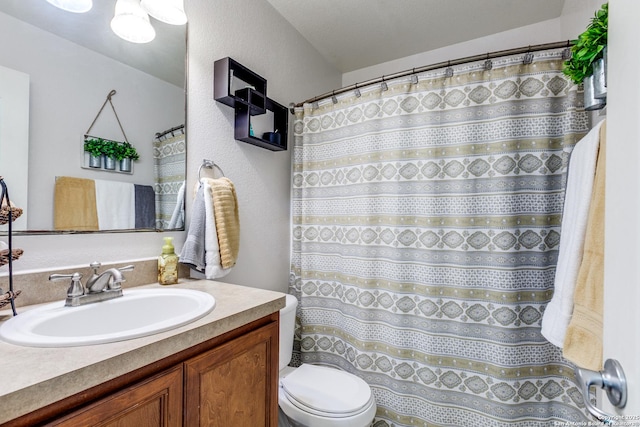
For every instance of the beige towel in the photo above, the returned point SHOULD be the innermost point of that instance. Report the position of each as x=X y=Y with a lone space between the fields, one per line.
x=75 y=204
x=583 y=342
x=225 y=206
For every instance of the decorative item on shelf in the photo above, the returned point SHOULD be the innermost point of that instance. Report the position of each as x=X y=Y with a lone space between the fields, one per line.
x=8 y=255
x=588 y=60
x=111 y=151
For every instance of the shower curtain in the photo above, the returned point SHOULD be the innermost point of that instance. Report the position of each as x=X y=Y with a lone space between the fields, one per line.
x=169 y=157
x=425 y=235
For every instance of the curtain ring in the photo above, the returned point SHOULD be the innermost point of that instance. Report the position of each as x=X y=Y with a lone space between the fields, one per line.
x=383 y=85
x=448 y=72
x=528 y=57
x=488 y=64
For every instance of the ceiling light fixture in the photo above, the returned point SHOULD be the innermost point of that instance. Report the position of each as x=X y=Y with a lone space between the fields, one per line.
x=131 y=22
x=75 y=6
x=167 y=11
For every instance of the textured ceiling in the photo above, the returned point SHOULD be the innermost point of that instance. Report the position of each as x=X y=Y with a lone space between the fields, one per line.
x=353 y=34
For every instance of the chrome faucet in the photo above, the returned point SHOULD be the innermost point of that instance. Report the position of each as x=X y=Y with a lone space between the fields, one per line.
x=100 y=287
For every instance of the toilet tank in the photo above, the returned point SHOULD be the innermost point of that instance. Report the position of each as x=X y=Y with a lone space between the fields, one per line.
x=287 y=326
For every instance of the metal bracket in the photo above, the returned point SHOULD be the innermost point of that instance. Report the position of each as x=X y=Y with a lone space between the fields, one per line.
x=612 y=380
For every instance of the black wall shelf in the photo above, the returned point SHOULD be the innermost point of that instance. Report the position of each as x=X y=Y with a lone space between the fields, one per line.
x=245 y=91
x=274 y=141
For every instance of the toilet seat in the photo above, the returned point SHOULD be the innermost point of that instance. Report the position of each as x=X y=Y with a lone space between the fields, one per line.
x=326 y=392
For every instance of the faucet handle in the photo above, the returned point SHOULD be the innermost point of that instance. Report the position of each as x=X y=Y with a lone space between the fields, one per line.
x=75 y=288
x=115 y=285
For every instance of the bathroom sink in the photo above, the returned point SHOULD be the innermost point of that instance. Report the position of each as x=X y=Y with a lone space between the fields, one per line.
x=140 y=312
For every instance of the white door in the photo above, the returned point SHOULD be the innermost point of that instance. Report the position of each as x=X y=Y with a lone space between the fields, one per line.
x=622 y=224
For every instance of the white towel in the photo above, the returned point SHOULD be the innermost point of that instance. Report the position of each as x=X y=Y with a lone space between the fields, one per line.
x=213 y=268
x=116 y=205
x=177 y=217
x=582 y=166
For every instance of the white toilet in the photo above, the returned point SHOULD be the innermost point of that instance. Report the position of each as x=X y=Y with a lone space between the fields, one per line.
x=319 y=396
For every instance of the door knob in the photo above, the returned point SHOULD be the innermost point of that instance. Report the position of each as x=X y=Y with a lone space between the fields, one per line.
x=612 y=380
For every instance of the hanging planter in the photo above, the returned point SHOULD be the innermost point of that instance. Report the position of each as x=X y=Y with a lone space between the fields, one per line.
x=600 y=77
x=591 y=102
x=125 y=165
x=126 y=154
x=110 y=151
x=93 y=146
x=587 y=59
x=110 y=163
x=95 y=161
x=113 y=152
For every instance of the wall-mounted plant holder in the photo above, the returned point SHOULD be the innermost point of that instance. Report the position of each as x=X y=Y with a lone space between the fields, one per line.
x=94 y=155
x=104 y=154
x=259 y=120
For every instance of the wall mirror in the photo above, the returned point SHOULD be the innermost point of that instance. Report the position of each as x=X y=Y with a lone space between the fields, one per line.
x=72 y=62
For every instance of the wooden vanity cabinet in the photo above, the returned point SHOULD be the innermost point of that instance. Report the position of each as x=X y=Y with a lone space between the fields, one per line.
x=235 y=384
x=151 y=403
x=228 y=381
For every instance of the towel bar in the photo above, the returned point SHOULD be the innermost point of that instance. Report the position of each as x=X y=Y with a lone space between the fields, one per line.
x=209 y=164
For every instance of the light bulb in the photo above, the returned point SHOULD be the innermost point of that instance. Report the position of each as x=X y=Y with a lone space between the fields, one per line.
x=131 y=22
x=167 y=11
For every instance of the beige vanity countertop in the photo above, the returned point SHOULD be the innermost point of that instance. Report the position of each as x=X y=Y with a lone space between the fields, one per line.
x=35 y=377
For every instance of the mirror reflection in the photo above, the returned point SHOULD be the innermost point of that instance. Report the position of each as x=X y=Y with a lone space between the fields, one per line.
x=71 y=62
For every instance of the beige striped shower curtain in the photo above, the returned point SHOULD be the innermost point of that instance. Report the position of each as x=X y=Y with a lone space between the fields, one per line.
x=426 y=223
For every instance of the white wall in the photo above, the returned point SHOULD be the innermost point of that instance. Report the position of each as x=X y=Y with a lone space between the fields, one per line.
x=68 y=84
x=575 y=17
x=542 y=32
x=255 y=35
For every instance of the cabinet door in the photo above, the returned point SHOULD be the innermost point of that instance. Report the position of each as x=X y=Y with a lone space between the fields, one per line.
x=235 y=384
x=151 y=403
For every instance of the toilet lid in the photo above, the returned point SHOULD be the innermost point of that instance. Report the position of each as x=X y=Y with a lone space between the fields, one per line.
x=328 y=391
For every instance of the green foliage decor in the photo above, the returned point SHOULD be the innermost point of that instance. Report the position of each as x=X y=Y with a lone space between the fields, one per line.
x=127 y=151
x=93 y=146
x=108 y=148
x=588 y=48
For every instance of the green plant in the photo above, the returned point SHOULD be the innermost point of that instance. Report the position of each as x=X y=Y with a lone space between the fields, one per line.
x=127 y=151
x=110 y=148
x=588 y=48
x=93 y=146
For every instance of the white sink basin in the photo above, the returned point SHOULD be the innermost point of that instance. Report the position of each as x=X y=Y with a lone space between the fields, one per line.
x=140 y=312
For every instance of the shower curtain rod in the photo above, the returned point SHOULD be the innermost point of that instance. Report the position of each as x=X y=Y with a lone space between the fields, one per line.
x=170 y=131
x=486 y=56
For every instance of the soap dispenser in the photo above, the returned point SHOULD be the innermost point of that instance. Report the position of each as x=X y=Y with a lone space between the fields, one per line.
x=168 y=264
